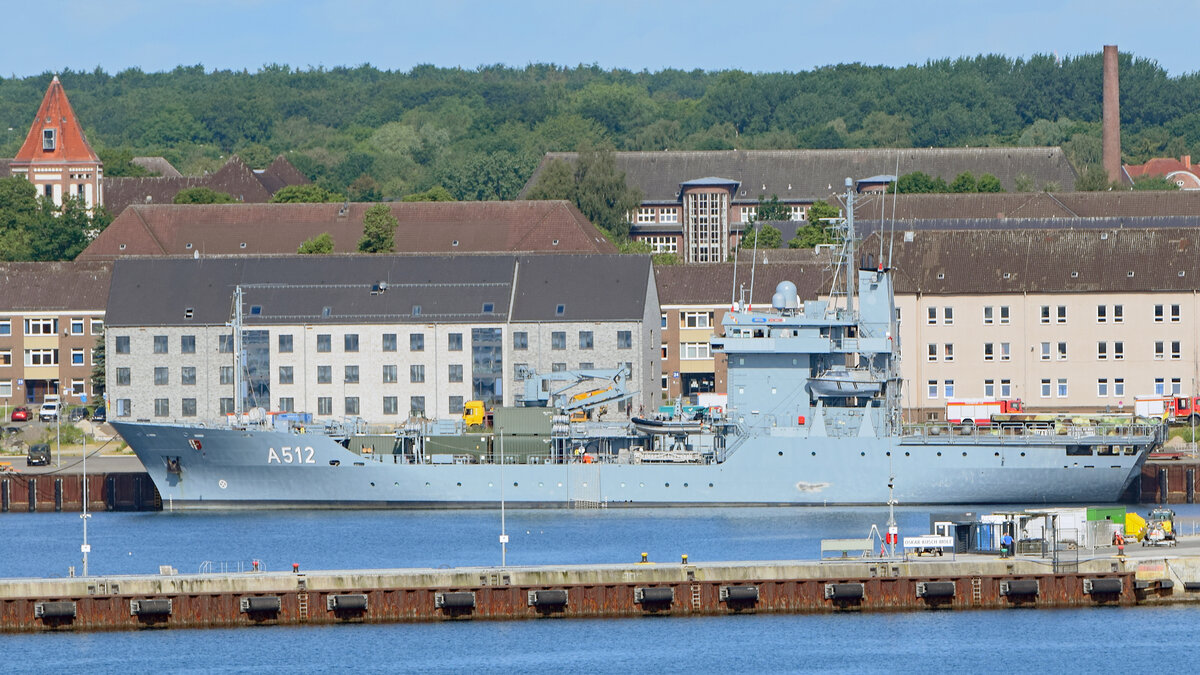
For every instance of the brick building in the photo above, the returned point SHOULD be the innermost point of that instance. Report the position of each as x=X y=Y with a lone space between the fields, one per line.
x=56 y=156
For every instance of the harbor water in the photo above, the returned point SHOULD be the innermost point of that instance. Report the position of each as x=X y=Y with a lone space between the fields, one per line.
x=45 y=544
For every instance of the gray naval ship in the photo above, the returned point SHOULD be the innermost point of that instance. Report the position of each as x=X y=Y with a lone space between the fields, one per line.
x=812 y=418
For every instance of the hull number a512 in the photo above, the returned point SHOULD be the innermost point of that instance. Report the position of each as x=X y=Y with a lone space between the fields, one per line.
x=288 y=455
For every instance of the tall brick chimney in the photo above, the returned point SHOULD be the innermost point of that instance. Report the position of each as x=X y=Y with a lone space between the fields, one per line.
x=1112 y=116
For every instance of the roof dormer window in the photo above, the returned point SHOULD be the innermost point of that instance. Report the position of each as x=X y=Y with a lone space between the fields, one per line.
x=49 y=139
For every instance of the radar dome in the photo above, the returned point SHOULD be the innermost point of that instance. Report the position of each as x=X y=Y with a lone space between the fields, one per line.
x=785 y=296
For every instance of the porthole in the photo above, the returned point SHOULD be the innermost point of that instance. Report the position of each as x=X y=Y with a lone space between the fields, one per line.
x=907 y=454
x=685 y=485
x=1022 y=454
x=862 y=454
x=997 y=454
x=889 y=453
x=514 y=485
x=426 y=483
x=710 y=485
x=939 y=453
x=372 y=483
x=396 y=484
x=560 y=485
x=781 y=453
x=490 y=484
x=641 y=485
x=539 y=484
x=666 y=485
x=460 y=485
x=622 y=485
x=964 y=454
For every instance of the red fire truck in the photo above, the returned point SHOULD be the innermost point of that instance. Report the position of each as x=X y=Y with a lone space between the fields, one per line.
x=979 y=411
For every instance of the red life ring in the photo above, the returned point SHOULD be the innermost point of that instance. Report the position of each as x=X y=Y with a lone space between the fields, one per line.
x=716 y=410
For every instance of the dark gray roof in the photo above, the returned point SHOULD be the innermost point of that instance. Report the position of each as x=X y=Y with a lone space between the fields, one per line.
x=346 y=289
x=1153 y=222
x=49 y=286
x=807 y=175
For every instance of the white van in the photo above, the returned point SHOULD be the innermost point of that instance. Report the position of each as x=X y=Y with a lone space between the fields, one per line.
x=49 y=411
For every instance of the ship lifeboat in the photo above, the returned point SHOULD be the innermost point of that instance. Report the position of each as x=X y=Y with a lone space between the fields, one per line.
x=841 y=382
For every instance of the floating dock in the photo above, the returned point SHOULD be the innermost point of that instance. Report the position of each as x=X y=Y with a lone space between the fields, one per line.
x=169 y=600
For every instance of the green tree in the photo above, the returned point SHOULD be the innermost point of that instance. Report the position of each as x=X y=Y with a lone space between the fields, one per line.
x=1023 y=182
x=817 y=230
x=320 y=245
x=557 y=181
x=305 y=194
x=1154 y=183
x=436 y=193
x=256 y=155
x=18 y=211
x=601 y=192
x=989 y=183
x=60 y=233
x=118 y=163
x=771 y=210
x=364 y=189
x=98 y=381
x=379 y=230
x=964 y=182
x=919 y=182
x=762 y=236
x=1094 y=179
x=203 y=195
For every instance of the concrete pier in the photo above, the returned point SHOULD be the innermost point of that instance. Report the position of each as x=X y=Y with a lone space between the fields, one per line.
x=1146 y=576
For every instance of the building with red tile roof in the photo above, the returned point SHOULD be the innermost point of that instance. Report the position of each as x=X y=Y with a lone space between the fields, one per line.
x=1179 y=171
x=425 y=227
x=56 y=156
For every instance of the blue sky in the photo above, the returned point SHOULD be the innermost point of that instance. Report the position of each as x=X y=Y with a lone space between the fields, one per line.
x=755 y=36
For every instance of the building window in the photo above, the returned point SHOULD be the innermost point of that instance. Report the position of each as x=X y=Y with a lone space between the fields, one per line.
x=1045 y=314
x=932 y=352
x=1118 y=351
x=664 y=351
x=1159 y=351
x=225 y=344
x=932 y=318
x=456 y=372
x=1062 y=351
x=948 y=352
x=97 y=326
x=416 y=342
x=989 y=388
x=286 y=375
x=351 y=375
x=41 y=357
x=1062 y=314
x=285 y=344
x=1003 y=314
x=416 y=406
x=1045 y=351
x=77 y=357
x=1062 y=387
x=77 y=326
x=664 y=321
x=324 y=343
x=416 y=373
x=1176 y=386
x=1102 y=387
x=1175 y=350
x=390 y=374
x=988 y=354
x=41 y=326
x=187 y=344
x=189 y=407
x=49 y=139
x=585 y=339
x=662 y=244
x=5 y=359
x=695 y=319
x=6 y=327
x=558 y=340
x=161 y=376
x=645 y=214
x=226 y=374
x=324 y=405
x=749 y=213
x=456 y=405
x=287 y=404
x=124 y=407
x=1005 y=351
x=324 y=374
x=987 y=316
x=160 y=344
x=1118 y=386
x=351 y=405
x=1045 y=388
x=1118 y=313
x=350 y=342
x=1005 y=388
x=391 y=405
x=558 y=367
x=454 y=342
x=162 y=407
x=122 y=344
x=1159 y=389
x=1174 y=313
x=1102 y=350
x=560 y=310
x=948 y=389
x=669 y=215
x=6 y=389
x=389 y=342
x=520 y=340
x=694 y=351
x=932 y=389
x=624 y=339
x=1101 y=313
x=586 y=365
x=948 y=316
x=187 y=375
x=123 y=377
x=706 y=226
x=1158 y=314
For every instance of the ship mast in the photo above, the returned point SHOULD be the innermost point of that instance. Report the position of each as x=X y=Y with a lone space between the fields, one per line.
x=851 y=266
x=237 y=351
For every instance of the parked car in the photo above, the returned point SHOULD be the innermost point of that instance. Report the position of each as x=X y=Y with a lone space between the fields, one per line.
x=49 y=411
x=77 y=414
x=99 y=414
x=20 y=414
x=12 y=431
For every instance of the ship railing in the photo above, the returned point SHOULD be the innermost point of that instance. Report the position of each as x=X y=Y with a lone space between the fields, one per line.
x=1026 y=432
x=232 y=566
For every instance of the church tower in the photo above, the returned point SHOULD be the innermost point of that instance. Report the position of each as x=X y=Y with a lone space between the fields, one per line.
x=56 y=156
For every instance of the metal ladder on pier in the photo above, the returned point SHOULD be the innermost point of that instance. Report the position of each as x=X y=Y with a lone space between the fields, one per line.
x=976 y=591
x=695 y=597
x=302 y=600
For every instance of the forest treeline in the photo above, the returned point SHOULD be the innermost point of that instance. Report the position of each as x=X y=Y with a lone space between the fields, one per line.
x=374 y=134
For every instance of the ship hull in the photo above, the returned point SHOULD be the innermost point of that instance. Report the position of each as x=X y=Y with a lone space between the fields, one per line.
x=266 y=469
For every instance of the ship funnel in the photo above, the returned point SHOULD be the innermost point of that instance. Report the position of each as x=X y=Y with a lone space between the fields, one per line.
x=785 y=296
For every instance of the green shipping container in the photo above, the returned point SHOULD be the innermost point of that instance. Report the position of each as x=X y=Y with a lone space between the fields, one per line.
x=523 y=421
x=1114 y=513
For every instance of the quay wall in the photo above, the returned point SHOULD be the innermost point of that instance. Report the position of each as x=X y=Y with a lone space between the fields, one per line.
x=132 y=491
x=378 y=596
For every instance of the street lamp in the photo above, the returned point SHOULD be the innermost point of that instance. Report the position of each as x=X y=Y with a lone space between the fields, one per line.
x=503 y=533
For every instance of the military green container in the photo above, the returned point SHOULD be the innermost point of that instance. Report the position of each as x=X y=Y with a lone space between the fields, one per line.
x=379 y=445
x=470 y=444
x=519 y=450
x=523 y=421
